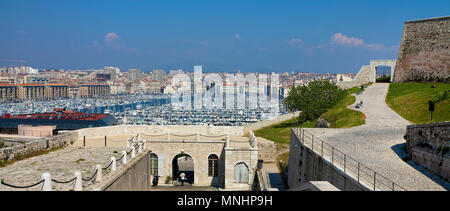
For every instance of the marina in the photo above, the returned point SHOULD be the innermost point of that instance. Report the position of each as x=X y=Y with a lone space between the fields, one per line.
x=143 y=109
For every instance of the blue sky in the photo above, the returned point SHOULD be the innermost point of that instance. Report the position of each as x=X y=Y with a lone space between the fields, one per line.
x=260 y=35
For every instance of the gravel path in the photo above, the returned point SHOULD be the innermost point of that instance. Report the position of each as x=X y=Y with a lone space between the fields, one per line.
x=375 y=144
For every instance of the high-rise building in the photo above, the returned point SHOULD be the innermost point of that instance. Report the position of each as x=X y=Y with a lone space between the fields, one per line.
x=158 y=75
x=134 y=74
x=22 y=70
x=114 y=71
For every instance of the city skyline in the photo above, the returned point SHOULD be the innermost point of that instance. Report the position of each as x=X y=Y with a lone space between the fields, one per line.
x=262 y=36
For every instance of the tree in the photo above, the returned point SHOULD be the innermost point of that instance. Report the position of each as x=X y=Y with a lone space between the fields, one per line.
x=314 y=99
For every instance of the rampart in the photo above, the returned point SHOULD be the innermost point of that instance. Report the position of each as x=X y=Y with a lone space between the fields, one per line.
x=36 y=145
x=133 y=176
x=424 y=53
x=428 y=145
x=159 y=129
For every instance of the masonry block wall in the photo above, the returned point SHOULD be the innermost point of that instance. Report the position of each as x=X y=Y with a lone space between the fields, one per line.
x=134 y=176
x=424 y=53
x=428 y=145
x=361 y=78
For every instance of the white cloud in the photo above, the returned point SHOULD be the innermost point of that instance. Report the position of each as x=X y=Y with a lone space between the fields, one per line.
x=111 y=37
x=344 y=40
x=294 y=41
x=238 y=36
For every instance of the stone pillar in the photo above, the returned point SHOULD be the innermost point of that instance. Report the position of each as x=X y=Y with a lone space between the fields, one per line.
x=133 y=152
x=47 y=184
x=139 y=146
x=78 y=185
x=229 y=174
x=114 y=164
x=99 y=176
x=124 y=159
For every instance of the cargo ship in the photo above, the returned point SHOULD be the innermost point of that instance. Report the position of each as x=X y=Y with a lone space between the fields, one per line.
x=61 y=118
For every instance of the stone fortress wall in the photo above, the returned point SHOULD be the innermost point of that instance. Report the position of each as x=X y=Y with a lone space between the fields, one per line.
x=424 y=53
x=305 y=165
x=361 y=78
x=12 y=152
x=159 y=129
x=229 y=156
x=428 y=145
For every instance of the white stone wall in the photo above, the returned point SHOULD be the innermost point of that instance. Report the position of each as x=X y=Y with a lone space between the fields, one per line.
x=235 y=156
x=160 y=129
x=199 y=151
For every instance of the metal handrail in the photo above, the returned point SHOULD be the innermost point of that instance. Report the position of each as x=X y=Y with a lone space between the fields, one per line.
x=372 y=179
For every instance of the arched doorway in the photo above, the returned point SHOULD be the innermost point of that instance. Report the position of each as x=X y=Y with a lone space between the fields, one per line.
x=241 y=173
x=183 y=163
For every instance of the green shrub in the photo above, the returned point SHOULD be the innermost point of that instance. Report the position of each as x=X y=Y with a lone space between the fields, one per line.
x=168 y=179
x=438 y=97
x=382 y=79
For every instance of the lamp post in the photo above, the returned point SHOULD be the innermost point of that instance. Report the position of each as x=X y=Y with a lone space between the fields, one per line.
x=431 y=109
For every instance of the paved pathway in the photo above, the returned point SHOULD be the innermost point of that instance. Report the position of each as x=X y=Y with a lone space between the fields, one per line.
x=375 y=144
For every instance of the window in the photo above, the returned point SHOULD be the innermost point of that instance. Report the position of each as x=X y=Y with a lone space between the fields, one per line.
x=213 y=162
x=153 y=164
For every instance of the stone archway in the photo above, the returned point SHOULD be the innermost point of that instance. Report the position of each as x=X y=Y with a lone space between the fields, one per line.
x=183 y=163
x=378 y=63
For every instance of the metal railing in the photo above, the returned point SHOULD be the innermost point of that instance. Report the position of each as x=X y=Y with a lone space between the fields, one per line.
x=350 y=166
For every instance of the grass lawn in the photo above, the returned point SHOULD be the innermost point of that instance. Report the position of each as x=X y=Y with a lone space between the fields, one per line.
x=278 y=133
x=410 y=101
x=339 y=116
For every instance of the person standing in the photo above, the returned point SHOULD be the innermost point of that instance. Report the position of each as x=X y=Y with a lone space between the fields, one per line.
x=183 y=178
